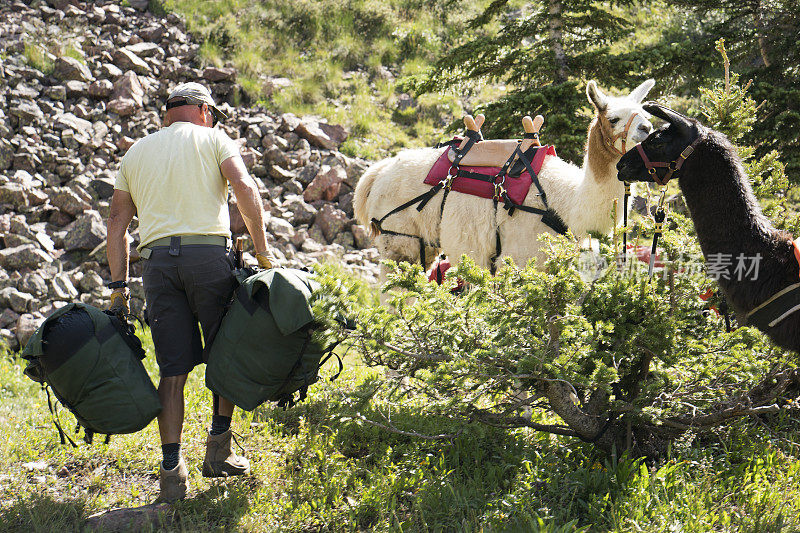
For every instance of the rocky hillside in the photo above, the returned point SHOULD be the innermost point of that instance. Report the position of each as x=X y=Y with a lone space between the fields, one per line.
x=79 y=83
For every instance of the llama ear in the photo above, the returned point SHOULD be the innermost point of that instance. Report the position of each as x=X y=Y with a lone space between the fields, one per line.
x=639 y=93
x=596 y=96
x=665 y=113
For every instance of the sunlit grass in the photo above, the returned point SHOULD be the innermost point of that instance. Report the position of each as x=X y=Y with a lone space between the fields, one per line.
x=336 y=56
x=316 y=466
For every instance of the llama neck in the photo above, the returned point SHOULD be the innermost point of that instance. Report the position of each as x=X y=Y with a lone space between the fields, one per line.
x=729 y=221
x=594 y=201
x=600 y=160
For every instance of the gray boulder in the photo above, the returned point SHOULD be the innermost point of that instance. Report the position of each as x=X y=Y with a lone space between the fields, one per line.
x=27 y=325
x=68 y=68
x=302 y=213
x=20 y=302
x=88 y=231
x=20 y=196
x=68 y=201
x=24 y=256
x=331 y=221
x=127 y=60
x=62 y=288
x=326 y=185
x=6 y=154
x=27 y=112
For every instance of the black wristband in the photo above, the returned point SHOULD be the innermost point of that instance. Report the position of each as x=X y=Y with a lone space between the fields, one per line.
x=117 y=284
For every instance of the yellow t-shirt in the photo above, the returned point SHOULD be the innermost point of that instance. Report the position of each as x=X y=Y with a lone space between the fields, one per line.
x=175 y=181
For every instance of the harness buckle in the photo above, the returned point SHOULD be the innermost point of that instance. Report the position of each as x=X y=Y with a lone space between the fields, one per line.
x=499 y=191
x=447 y=181
x=689 y=150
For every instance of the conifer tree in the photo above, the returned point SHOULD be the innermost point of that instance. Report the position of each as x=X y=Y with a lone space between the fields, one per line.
x=545 y=52
x=762 y=41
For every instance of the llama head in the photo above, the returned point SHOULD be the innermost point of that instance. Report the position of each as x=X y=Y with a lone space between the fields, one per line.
x=665 y=145
x=622 y=120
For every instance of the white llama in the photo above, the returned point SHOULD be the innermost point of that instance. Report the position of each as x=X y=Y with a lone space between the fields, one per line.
x=582 y=196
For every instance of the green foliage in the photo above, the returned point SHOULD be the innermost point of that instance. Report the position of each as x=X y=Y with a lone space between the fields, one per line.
x=318 y=466
x=728 y=107
x=621 y=343
x=763 y=46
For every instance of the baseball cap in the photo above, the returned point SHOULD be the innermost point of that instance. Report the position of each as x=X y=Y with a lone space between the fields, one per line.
x=192 y=93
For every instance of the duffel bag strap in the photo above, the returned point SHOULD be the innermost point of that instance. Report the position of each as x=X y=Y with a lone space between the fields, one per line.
x=331 y=353
x=126 y=331
x=54 y=412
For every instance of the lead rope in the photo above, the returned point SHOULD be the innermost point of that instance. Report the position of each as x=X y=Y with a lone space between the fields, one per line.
x=625 y=222
x=660 y=216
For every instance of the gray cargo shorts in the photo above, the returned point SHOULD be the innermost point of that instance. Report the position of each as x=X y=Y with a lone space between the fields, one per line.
x=183 y=294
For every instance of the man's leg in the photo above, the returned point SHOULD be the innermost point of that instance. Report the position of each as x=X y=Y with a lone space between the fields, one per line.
x=173 y=473
x=221 y=460
x=170 y=421
x=177 y=342
x=221 y=415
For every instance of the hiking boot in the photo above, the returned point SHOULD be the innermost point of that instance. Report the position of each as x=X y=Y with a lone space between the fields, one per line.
x=220 y=459
x=174 y=483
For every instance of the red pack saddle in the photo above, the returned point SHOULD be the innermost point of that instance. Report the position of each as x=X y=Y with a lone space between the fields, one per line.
x=517 y=182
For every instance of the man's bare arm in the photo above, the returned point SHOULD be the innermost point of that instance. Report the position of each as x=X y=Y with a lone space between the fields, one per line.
x=248 y=200
x=122 y=211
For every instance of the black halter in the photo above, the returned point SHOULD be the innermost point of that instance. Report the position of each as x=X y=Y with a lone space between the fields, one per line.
x=672 y=167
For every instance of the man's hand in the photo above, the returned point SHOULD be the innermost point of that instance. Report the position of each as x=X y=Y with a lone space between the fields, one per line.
x=266 y=260
x=119 y=303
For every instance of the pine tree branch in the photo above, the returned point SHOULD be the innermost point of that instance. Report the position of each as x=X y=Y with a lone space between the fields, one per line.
x=498 y=420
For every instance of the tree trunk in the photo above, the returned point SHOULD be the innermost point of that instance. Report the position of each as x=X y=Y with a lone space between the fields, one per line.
x=557 y=40
x=762 y=42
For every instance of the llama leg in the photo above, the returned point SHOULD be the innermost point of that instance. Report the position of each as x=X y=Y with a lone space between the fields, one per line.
x=397 y=248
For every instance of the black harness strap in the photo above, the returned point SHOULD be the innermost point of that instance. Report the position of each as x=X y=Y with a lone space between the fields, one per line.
x=534 y=175
x=625 y=221
x=549 y=217
x=475 y=176
x=451 y=143
x=472 y=138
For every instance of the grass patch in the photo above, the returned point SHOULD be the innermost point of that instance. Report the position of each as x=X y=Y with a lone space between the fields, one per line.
x=75 y=53
x=317 y=467
x=343 y=59
x=38 y=58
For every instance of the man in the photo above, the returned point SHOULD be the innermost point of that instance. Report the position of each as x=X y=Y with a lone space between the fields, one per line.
x=176 y=181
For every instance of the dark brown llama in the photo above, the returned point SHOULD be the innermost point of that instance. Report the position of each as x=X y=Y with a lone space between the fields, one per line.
x=726 y=215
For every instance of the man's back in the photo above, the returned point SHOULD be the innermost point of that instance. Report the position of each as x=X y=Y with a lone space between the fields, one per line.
x=174 y=178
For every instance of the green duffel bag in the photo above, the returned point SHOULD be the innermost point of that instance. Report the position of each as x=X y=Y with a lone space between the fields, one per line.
x=93 y=363
x=265 y=347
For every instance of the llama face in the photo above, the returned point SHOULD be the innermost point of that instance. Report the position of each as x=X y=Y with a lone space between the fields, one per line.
x=623 y=120
x=663 y=145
